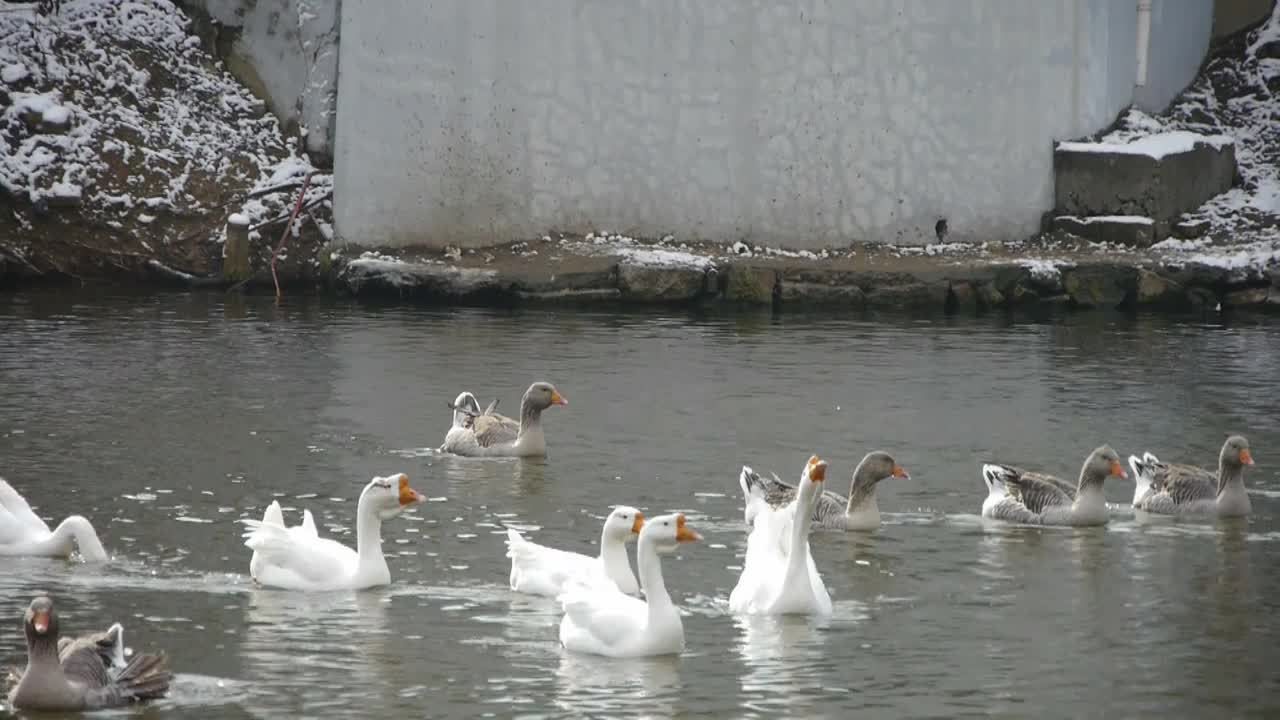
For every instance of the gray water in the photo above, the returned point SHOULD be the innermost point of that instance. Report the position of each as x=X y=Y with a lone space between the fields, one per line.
x=164 y=419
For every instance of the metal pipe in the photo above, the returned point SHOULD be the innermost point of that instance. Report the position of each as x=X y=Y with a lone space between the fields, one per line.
x=1144 y=39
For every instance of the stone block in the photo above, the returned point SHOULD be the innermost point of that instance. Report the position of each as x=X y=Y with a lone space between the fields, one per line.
x=1154 y=289
x=1099 y=285
x=1130 y=230
x=751 y=285
x=905 y=291
x=1245 y=297
x=649 y=284
x=1160 y=176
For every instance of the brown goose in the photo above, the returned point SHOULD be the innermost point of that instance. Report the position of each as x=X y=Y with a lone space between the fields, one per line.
x=490 y=434
x=1177 y=489
x=82 y=674
x=1015 y=495
x=859 y=511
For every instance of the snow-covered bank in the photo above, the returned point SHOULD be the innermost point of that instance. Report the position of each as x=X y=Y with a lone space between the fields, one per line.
x=1236 y=96
x=116 y=121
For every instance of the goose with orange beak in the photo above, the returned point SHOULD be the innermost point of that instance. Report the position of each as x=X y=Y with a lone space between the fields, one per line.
x=602 y=620
x=1176 y=489
x=1018 y=496
x=541 y=570
x=492 y=435
x=299 y=559
x=858 y=511
x=779 y=576
x=65 y=674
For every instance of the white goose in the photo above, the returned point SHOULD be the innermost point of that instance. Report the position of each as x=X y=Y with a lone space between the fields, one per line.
x=602 y=620
x=778 y=574
x=541 y=570
x=299 y=559
x=492 y=435
x=275 y=516
x=22 y=532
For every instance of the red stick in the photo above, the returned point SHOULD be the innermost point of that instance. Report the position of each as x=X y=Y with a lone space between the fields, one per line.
x=284 y=237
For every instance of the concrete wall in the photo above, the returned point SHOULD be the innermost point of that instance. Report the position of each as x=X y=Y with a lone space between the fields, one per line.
x=797 y=124
x=1180 y=34
x=286 y=51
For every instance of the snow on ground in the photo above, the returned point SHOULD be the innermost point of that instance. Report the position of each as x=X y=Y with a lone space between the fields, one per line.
x=156 y=123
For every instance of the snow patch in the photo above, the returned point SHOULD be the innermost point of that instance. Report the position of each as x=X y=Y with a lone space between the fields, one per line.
x=1154 y=146
x=1045 y=269
x=13 y=73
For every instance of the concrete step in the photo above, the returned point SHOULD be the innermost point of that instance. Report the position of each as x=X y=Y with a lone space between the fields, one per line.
x=1131 y=230
x=1158 y=177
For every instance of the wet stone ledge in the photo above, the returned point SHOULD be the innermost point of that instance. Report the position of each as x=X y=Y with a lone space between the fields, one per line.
x=967 y=286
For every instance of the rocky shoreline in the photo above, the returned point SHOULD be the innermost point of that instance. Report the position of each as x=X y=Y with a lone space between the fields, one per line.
x=1055 y=271
x=1060 y=273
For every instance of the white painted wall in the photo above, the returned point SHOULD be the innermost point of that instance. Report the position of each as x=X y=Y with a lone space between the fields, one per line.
x=797 y=124
x=1180 y=34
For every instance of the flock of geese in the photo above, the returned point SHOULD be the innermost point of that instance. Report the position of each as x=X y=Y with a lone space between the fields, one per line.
x=607 y=609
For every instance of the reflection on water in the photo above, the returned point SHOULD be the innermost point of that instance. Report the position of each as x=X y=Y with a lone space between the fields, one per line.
x=164 y=419
x=781 y=655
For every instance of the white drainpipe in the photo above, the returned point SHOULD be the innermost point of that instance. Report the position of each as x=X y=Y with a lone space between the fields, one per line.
x=1144 y=38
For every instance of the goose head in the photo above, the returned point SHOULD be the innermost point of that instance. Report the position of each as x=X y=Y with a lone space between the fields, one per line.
x=40 y=623
x=542 y=395
x=388 y=496
x=465 y=408
x=1102 y=463
x=815 y=471
x=666 y=532
x=877 y=466
x=624 y=523
x=1235 y=453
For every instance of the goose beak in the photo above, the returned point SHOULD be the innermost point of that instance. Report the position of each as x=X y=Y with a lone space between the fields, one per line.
x=1117 y=470
x=40 y=621
x=685 y=533
x=639 y=523
x=817 y=469
x=1246 y=457
x=408 y=495
x=899 y=472
x=557 y=398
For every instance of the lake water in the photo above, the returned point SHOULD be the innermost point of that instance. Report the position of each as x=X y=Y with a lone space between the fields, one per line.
x=166 y=418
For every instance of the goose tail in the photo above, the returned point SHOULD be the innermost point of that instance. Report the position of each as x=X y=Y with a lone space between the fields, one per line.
x=1144 y=469
x=146 y=677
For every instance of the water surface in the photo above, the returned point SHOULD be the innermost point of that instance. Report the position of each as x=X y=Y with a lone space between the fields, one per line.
x=164 y=419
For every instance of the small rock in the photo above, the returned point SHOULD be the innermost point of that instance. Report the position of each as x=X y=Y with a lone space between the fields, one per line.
x=1023 y=295
x=641 y=283
x=962 y=296
x=989 y=296
x=1191 y=229
x=907 y=293
x=750 y=286
x=1202 y=297
x=1244 y=297
x=453 y=252
x=1154 y=289
x=1098 y=285
x=55 y=120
